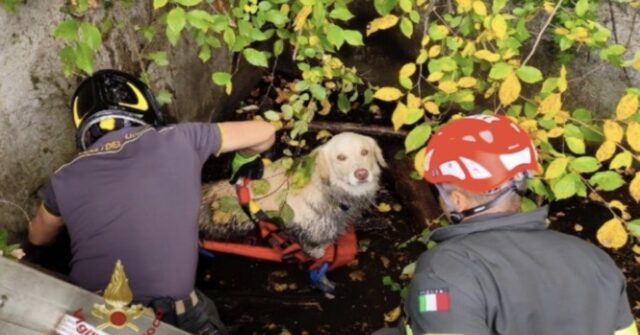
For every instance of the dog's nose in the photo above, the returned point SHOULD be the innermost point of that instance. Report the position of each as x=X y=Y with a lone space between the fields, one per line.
x=361 y=174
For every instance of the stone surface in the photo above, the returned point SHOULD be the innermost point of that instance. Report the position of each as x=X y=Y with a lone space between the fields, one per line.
x=36 y=134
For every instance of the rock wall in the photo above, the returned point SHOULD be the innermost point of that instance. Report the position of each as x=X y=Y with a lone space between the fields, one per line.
x=36 y=134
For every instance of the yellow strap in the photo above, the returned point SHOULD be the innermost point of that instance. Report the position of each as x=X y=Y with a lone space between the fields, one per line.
x=631 y=330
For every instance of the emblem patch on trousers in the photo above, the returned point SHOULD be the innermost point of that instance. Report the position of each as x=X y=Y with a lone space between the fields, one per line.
x=434 y=301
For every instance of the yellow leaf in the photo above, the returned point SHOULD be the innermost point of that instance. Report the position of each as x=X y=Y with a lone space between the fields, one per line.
x=627 y=106
x=621 y=160
x=633 y=135
x=530 y=126
x=548 y=6
x=388 y=94
x=487 y=55
x=382 y=23
x=551 y=104
x=499 y=26
x=556 y=168
x=636 y=64
x=326 y=107
x=606 y=151
x=562 y=117
x=413 y=101
x=399 y=116
x=448 y=86
x=418 y=161
x=469 y=49
x=434 y=51
x=384 y=207
x=479 y=8
x=323 y=133
x=301 y=18
x=612 y=234
x=555 y=132
x=464 y=6
x=613 y=131
x=392 y=315
x=432 y=107
x=509 y=89
x=562 y=81
x=425 y=40
x=618 y=205
x=542 y=136
x=634 y=187
x=467 y=82
x=435 y=76
x=408 y=70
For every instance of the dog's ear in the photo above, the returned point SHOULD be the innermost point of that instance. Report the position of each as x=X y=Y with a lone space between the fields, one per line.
x=378 y=152
x=323 y=165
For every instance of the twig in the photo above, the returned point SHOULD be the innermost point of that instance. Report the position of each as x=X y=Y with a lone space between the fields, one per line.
x=539 y=37
x=631 y=30
x=424 y=33
x=273 y=77
x=615 y=37
x=357 y=127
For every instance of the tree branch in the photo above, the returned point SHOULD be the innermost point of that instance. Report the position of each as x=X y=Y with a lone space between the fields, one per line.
x=368 y=129
x=539 y=37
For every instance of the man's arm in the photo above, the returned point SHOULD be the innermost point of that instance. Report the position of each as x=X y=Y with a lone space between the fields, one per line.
x=44 y=227
x=247 y=137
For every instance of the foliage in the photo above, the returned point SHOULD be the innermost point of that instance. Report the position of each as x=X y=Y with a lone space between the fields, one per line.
x=9 y=250
x=474 y=57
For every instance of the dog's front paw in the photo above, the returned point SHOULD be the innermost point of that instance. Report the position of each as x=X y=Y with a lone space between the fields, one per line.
x=316 y=252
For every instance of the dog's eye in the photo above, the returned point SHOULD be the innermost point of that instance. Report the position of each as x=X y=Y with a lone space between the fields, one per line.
x=364 y=152
x=342 y=157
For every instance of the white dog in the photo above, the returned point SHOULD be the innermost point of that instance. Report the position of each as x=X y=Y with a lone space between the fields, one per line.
x=343 y=183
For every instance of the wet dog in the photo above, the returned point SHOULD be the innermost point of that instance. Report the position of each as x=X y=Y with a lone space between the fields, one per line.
x=315 y=207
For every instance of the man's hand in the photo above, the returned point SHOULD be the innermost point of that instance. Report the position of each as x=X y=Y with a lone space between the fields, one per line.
x=246 y=166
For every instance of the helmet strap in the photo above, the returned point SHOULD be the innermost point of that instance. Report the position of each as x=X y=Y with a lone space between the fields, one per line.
x=457 y=217
x=124 y=118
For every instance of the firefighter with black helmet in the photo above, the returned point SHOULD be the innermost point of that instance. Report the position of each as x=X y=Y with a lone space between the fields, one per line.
x=133 y=194
x=497 y=271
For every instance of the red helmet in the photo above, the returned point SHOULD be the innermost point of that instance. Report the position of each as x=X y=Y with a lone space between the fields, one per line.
x=479 y=153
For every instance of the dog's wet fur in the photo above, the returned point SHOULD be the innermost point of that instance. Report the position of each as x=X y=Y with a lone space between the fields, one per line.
x=343 y=185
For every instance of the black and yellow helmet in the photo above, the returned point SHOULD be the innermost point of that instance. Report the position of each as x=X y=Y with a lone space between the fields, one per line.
x=110 y=100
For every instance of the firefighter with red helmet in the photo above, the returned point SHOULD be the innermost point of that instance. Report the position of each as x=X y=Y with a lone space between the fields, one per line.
x=497 y=270
x=133 y=194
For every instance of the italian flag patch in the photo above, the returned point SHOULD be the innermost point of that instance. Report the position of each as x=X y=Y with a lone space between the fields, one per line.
x=434 y=301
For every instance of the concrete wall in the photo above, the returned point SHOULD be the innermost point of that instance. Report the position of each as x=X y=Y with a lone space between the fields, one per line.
x=36 y=135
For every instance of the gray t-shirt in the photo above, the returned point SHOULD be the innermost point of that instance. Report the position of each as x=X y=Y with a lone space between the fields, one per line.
x=134 y=196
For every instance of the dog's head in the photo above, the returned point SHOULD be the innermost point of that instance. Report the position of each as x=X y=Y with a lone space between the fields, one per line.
x=352 y=162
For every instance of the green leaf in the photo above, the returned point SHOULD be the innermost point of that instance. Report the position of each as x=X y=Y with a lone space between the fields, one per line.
x=278 y=47
x=318 y=91
x=582 y=114
x=335 y=35
x=582 y=6
x=417 y=137
x=255 y=57
x=565 y=187
x=229 y=36
x=221 y=78
x=529 y=74
x=406 y=5
x=527 y=205
x=277 y=18
x=353 y=37
x=176 y=19
x=384 y=7
x=406 y=27
x=84 y=58
x=164 y=97
x=498 y=5
x=437 y=32
x=576 y=145
x=634 y=227
x=199 y=19
x=158 y=57
x=67 y=30
x=68 y=57
x=188 y=3
x=344 y=105
x=341 y=13
x=287 y=214
x=272 y=115
x=157 y=4
x=413 y=115
x=500 y=71
x=607 y=180
x=205 y=53
x=585 y=164
x=4 y=235
x=556 y=168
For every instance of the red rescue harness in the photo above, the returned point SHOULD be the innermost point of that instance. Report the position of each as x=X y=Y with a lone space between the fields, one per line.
x=282 y=247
